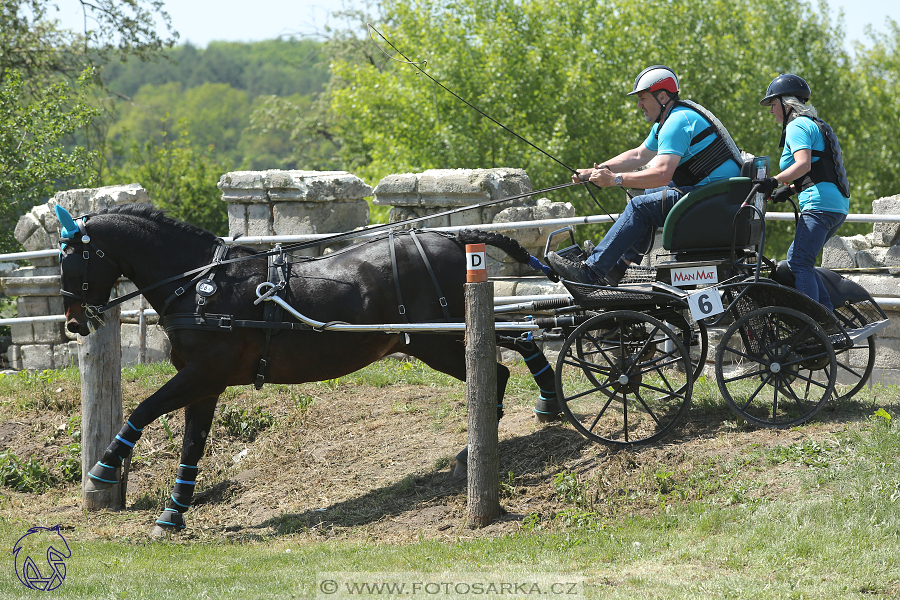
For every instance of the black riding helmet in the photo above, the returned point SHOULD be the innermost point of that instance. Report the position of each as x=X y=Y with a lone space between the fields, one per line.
x=786 y=84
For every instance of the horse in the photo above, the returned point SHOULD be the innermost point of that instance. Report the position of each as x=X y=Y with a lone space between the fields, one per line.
x=219 y=337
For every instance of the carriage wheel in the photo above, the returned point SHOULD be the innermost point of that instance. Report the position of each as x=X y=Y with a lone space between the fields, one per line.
x=850 y=376
x=621 y=378
x=775 y=367
x=693 y=336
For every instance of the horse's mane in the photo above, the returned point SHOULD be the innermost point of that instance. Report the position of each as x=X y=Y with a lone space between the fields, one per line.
x=151 y=213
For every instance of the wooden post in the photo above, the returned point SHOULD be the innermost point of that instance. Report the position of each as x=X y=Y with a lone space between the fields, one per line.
x=100 y=363
x=142 y=333
x=481 y=400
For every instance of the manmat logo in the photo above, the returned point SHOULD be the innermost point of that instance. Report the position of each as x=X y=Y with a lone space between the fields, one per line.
x=694 y=275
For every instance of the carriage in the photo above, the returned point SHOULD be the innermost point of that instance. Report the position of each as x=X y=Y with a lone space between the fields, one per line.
x=631 y=353
x=629 y=358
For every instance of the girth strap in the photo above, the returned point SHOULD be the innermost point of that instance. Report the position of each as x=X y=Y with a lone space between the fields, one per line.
x=223 y=322
x=273 y=312
x=400 y=306
x=434 y=280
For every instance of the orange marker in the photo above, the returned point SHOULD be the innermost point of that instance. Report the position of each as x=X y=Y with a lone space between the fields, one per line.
x=476 y=264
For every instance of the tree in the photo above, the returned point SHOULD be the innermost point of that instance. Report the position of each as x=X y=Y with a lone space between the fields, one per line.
x=179 y=178
x=33 y=160
x=557 y=71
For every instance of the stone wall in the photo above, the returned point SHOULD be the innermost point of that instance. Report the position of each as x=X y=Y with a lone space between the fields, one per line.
x=876 y=258
x=412 y=195
x=265 y=203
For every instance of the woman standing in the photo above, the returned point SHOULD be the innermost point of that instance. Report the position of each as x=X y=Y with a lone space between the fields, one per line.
x=812 y=167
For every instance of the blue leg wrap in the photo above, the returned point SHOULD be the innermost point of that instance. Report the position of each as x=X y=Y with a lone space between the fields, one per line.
x=104 y=472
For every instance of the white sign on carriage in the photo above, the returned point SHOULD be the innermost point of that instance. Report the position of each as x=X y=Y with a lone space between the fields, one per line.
x=695 y=275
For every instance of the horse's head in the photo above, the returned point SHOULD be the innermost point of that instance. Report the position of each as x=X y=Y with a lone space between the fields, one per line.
x=87 y=274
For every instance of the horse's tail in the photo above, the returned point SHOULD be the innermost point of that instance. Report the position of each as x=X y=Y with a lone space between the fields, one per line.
x=507 y=244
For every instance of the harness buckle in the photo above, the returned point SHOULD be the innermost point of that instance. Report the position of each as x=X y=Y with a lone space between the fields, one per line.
x=179 y=291
x=402 y=309
x=443 y=301
x=201 y=301
x=85 y=255
x=225 y=322
x=84 y=287
x=100 y=253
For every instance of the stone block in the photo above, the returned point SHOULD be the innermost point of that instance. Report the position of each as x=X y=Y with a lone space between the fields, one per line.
x=243 y=186
x=887 y=353
x=22 y=333
x=32 y=306
x=49 y=333
x=46 y=218
x=538 y=286
x=294 y=218
x=259 y=220
x=63 y=355
x=836 y=255
x=157 y=343
x=885 y=234
x=37 y=357
x=32 y=286
x=879 y=285
x=466 y=218
x=14 y=356
x=398 y=190
x=315 y=186
x=38 y=240
x=237 y=219
x=26 y=226
x=81 y=201
x=504 y=287
x=547 y=209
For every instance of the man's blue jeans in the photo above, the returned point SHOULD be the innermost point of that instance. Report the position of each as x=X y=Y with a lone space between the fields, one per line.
x=631 y=234
x=814 y=228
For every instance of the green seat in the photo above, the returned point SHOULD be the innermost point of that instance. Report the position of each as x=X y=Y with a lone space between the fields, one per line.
x=703 y=219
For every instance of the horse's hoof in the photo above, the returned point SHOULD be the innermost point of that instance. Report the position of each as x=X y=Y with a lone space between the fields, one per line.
x=169 y=522
x=101 y=477
x=462 y=463
x=546 y=411
x=93 y=485
x=543 y=417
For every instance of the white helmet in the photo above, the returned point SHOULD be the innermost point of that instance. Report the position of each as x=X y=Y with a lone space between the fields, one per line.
x=654 y=79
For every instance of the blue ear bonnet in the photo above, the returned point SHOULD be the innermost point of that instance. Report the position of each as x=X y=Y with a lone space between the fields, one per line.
x=69 y=227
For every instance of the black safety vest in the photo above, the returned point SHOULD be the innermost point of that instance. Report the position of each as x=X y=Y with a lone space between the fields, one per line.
x=830 y=166
x=692 y=171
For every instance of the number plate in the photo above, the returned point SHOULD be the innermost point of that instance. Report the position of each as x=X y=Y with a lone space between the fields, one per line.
x=705 y=303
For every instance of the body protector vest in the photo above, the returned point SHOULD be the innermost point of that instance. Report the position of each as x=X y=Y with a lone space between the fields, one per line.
x=692 y=171
x=830 y=166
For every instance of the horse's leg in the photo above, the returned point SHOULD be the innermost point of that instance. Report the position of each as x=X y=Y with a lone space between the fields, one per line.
x=198 y=419
x=452 y=360
x=190 y=384
x=546 y=407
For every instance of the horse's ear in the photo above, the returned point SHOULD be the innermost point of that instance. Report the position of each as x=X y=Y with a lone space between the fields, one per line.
x=69 y=228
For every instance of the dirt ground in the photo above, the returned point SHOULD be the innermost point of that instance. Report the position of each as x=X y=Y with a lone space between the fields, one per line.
x=376 y=463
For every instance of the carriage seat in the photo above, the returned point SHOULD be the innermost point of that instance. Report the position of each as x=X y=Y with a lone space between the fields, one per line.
x=702 y=221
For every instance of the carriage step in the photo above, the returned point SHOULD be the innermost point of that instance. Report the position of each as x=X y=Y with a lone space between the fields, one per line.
x=861 y=333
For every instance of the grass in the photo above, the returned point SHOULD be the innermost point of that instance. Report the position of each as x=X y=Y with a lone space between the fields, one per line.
x=816 y=517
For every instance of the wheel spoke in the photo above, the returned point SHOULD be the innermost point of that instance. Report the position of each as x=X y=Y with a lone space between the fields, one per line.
x=753 y=395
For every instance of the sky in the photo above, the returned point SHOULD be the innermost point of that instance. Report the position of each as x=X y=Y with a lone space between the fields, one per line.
x=202 y=21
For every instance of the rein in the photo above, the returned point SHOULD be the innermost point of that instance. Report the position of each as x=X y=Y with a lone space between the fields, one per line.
x=94 y=311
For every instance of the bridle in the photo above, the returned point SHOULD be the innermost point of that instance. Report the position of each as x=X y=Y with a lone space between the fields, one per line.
x=75 y=263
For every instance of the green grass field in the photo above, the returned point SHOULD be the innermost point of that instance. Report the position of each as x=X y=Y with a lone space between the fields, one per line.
x=713 y=532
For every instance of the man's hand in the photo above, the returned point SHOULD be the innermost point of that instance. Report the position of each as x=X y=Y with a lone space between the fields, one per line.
x=582 y=175
x=782 y=194
x=766 y=185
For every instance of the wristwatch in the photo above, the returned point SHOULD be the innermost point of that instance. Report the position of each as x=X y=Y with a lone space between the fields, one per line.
x=618 y=179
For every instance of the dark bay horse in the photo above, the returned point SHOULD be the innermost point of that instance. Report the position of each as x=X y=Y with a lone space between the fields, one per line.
x=355 y=285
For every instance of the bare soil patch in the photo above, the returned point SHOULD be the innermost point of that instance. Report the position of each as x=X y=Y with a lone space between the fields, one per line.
x=353 y=461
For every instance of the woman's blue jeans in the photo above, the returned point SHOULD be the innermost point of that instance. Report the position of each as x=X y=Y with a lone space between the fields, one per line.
x=631 y=234
x=814 y=228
